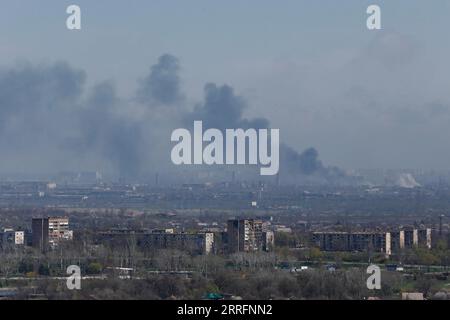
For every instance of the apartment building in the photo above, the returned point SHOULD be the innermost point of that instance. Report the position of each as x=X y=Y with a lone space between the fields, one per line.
x=248 y=235
x=200 y=243
x=353 y=241
x=384 y=242
x=424 y=238
x=411 y=238
x=40 y=232
x=11 y=237
x=397 y=240
x=58 y=230
x=49 y=231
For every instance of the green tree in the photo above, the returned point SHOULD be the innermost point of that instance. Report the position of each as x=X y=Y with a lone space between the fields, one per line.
x=315 y=254
x=94 y=268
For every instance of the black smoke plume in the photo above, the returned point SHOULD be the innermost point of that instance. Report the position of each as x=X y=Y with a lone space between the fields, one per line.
x=162 y=85
x=50 y=121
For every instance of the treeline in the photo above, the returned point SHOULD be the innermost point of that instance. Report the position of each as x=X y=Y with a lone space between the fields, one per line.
x=313 y=284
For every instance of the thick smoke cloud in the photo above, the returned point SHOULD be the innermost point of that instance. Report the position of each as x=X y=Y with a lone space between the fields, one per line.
x=115 y=137
x=306 y=162
x=50 y=121
x=47 y=124
x=162 y=85
x=34 y=91
x=223 y=109
x=37 y=105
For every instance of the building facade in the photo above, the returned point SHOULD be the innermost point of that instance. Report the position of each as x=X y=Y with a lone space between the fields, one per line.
x=58 y=230
x=40 y=234
x=199 y=243
x=10 y=237
x=248 y=235
x=397 y=240
x=424 y=238
x=385 y=242
x=353 y=241
x=411 y=238
x=48 y=232
x=19 y=238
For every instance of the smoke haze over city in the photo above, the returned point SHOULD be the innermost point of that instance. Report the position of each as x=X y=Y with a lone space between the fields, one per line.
x=375 y=101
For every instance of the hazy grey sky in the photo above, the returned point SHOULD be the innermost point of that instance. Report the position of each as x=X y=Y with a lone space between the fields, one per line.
x=364 y=99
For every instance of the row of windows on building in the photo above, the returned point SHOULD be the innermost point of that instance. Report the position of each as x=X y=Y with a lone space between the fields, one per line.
x=383 y=242
x=242 y=235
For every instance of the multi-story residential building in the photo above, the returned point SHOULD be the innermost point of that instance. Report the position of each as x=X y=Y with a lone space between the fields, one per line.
x=268 y=240
x=397 y=240
x=12 y=237
x=40 y=233
x=49 y=232
x=386 y=242
x=411 y=238
x=58 y=228
x=353 y=241
x=247 y=235
x=424 y=238
x=200 y=243
x=19 y=237
x=331 y=241
x=372 y=241
x=118 y=237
